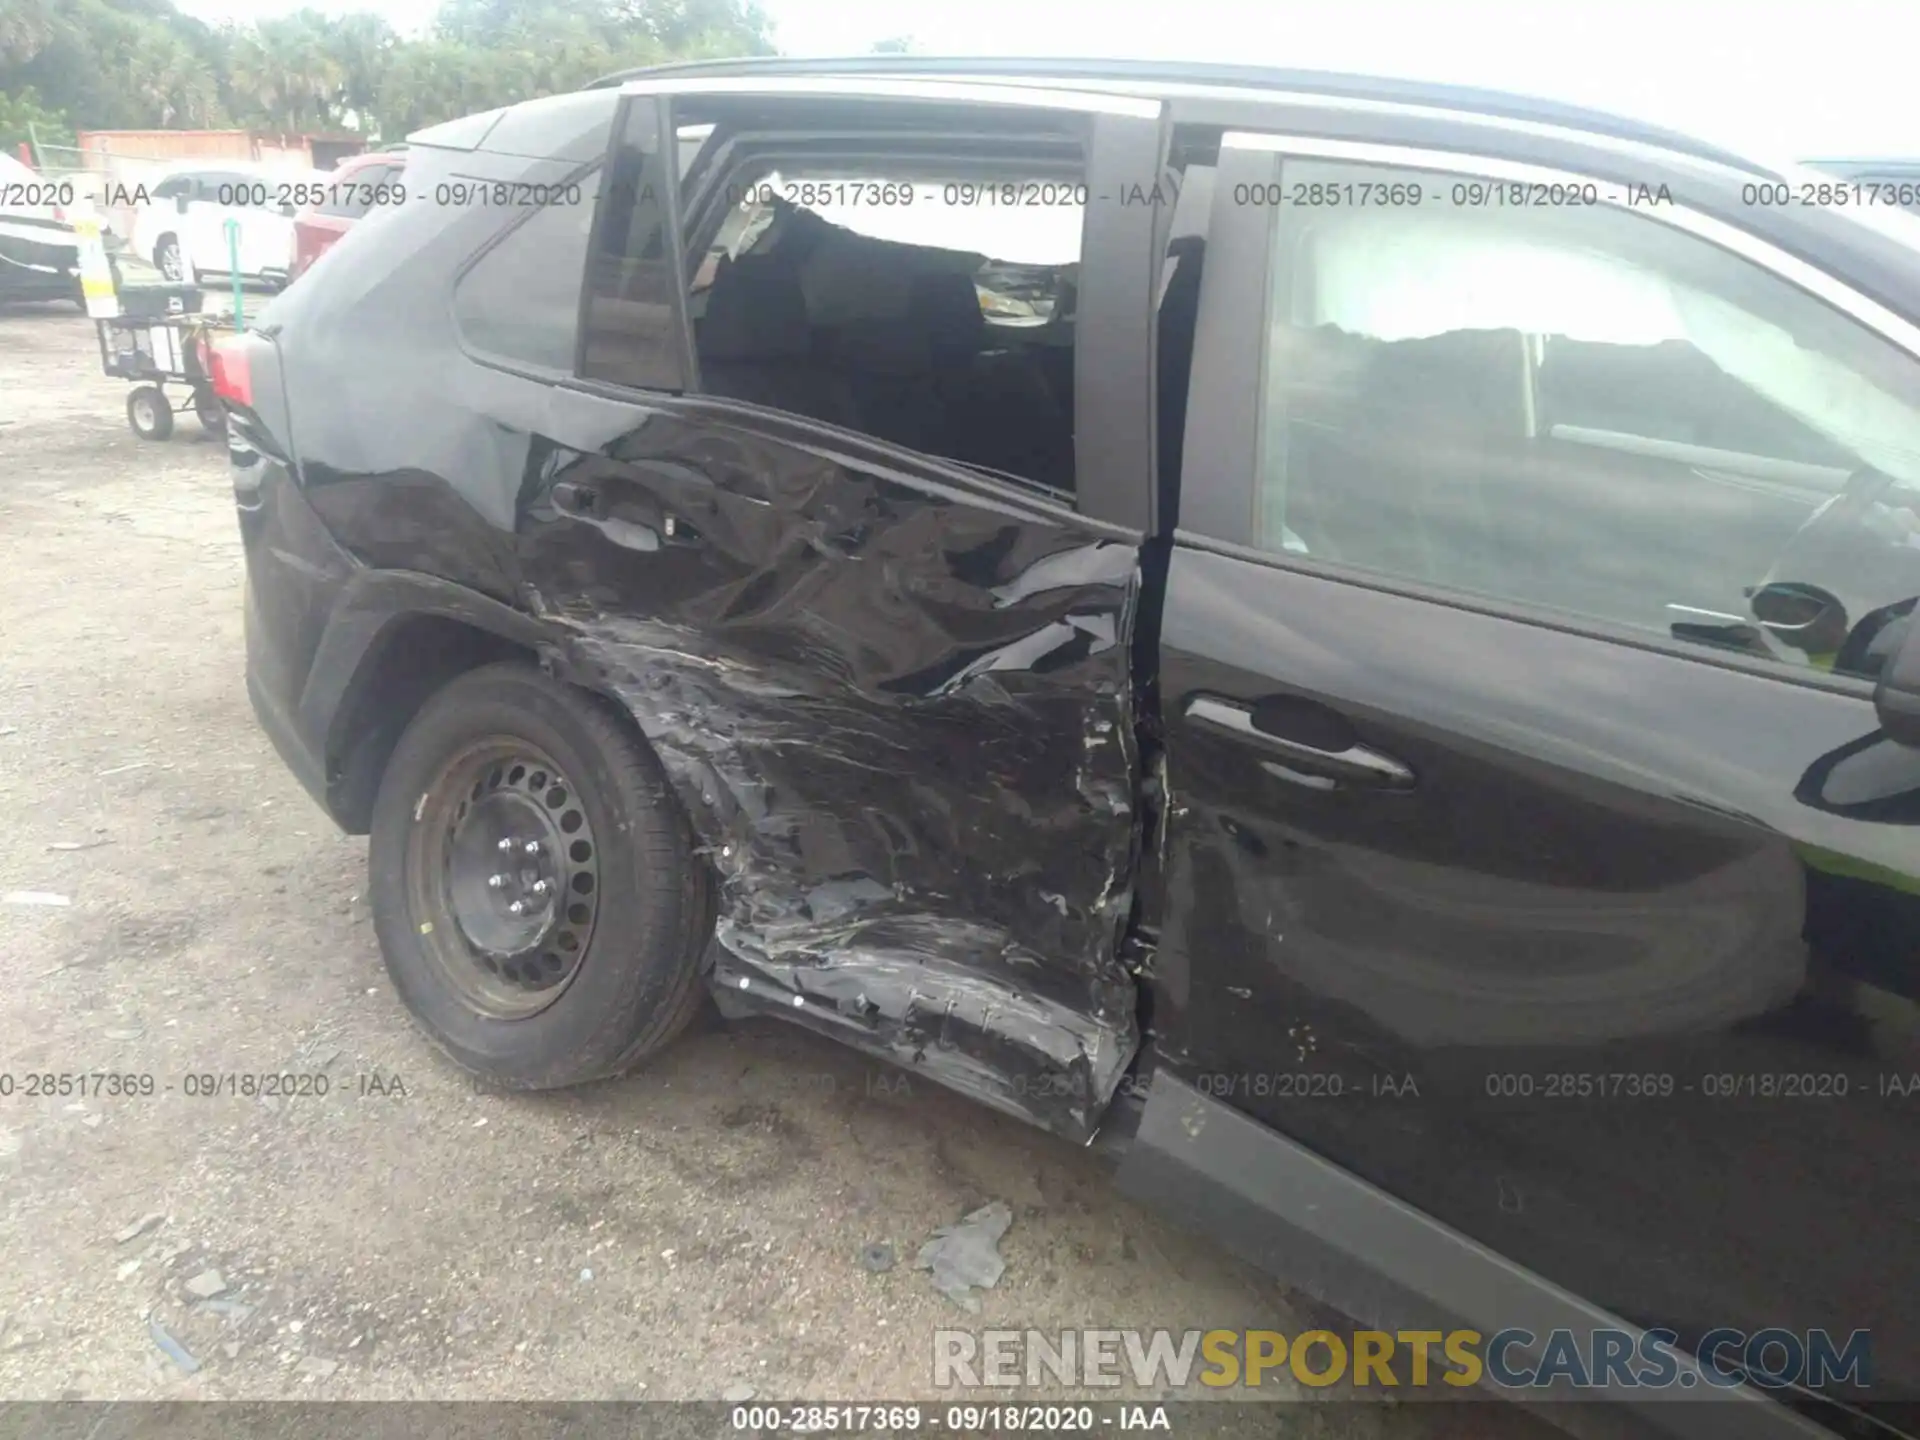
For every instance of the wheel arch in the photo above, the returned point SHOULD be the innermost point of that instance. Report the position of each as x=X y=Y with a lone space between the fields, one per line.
x=394 y=639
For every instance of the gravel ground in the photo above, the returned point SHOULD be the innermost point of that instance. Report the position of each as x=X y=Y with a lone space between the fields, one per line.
x=679 y=1234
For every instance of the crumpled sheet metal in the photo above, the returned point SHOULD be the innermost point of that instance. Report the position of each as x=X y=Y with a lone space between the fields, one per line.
x=909 y=757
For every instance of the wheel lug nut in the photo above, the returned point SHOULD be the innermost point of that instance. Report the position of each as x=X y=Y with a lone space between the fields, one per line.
x=506 y=844
x=516 y=908
x=494 y=882
x=540 y=887
x=533 y=847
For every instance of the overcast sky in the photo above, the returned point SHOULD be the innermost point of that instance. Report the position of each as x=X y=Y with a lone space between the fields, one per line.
x=1785 y=78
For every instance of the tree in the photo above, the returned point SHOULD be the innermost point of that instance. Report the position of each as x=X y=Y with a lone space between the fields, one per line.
x=701 y=29
x=26 y=28
x=479 y=22
x=23 y=117
x=141 y=64
x=163 y=78
x=362 y=46
x=287 y=70
x=429 y=81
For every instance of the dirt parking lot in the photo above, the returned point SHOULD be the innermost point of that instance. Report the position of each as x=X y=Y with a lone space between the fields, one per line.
x=175 y=907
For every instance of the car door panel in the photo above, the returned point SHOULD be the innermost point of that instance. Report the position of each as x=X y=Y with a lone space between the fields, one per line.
x=1589 y=958
x=273 y=235
x=1596 y=875
x=900 y=718
x=262 y=235
x=266 y=235
x=894 y=696
x=205 y=223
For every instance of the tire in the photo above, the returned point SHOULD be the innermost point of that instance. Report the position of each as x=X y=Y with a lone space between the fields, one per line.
x=632 y=981
x=149 y=412
x=166 y=259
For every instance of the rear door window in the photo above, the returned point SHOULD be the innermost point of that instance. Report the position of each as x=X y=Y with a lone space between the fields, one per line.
x=925 y=301
x=905 y=274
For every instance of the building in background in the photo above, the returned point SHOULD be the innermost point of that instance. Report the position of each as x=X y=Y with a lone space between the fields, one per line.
x=168 y=147
x=109 y=165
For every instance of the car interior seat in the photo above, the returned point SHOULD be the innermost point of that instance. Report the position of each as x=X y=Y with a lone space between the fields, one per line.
x=755 y=342
x=997 y=408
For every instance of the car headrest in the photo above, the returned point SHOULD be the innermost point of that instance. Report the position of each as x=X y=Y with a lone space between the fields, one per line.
x=755 y=311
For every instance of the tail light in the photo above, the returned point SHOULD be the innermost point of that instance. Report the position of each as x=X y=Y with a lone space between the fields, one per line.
x=230 y=369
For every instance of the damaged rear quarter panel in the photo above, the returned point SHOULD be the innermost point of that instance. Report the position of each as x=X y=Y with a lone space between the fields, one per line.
x=899 y=716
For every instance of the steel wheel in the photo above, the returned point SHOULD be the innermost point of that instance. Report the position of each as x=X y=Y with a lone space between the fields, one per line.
x=149 y=412
x=505 y=861
x=592 y=974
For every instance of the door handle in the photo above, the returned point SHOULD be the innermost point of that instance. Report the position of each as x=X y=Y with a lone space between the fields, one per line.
x=1333 y=754
x=649 y=532
x=1713 y=627
x=571 y=497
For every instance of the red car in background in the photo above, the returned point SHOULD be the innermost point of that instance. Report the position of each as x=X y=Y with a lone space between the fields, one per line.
x=355 y=186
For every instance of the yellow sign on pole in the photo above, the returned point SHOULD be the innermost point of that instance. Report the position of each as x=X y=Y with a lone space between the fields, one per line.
x=96 y=271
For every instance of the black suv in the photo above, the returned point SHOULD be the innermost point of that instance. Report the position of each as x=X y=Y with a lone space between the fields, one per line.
x=1352 y=637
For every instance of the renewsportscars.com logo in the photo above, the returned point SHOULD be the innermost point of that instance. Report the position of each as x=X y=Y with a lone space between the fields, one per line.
x=1513 y=1359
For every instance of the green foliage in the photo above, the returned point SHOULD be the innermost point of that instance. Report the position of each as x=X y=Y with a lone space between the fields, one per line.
x=138 y=64
x=23 y=117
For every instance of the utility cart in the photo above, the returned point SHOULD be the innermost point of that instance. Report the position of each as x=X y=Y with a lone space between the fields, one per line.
x=157 y=352
x=152 y=331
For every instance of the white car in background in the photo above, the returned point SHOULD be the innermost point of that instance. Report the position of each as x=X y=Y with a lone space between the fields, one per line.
x=182 y=226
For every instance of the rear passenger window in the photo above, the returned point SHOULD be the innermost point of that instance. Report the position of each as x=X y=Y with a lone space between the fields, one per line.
x=865 y=266
x=1585 y=410
x=520 y=301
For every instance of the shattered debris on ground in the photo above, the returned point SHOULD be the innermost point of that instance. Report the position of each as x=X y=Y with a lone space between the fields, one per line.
x=966 y=1257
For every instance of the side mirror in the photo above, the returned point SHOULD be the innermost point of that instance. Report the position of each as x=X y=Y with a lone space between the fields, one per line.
x=180 y=202
x=1897 y=698
x=288 y=209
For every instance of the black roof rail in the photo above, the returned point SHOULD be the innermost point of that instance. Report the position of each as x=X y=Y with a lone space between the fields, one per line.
x=1145 y=75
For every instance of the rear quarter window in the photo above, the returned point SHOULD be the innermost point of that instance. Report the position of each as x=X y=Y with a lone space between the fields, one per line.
x=520 y=301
